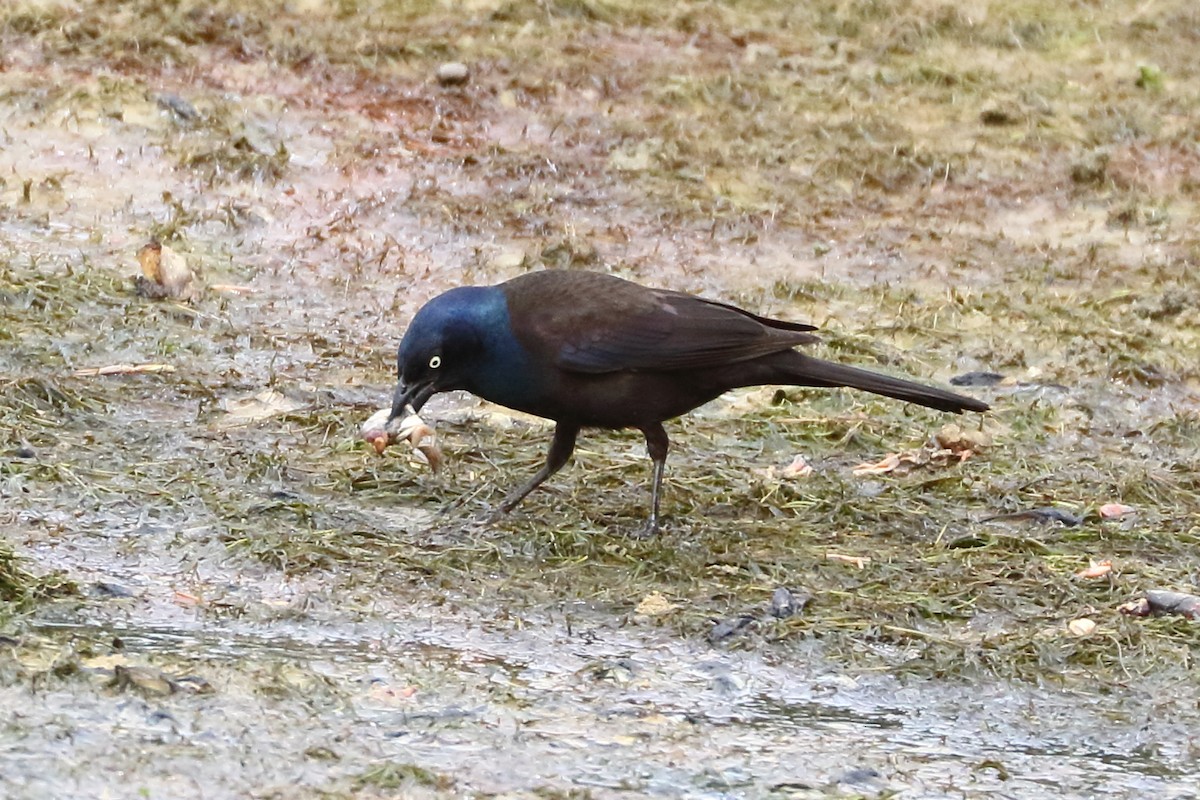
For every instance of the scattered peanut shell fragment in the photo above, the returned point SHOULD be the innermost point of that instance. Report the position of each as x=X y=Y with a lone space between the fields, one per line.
x=165 y=273
x=654 y=605
x=887 y=464
x=799 y=468
x=1098 y=569
x=374 y=430
x=379 y=432
x=1081 y=627
x=953 y=437
x=1114 y=510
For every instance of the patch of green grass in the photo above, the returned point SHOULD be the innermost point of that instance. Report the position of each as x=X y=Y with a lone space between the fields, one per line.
x=21 y=589
x=392 y=776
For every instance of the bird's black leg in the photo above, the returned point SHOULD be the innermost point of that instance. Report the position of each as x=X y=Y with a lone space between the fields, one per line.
x=657 y=444
x=560 y=450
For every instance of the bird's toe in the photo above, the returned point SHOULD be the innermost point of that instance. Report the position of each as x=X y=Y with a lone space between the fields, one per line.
x=648 y=530
x=492 y=515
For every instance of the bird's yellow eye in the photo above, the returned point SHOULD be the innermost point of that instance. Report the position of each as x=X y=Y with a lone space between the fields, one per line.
x=435 y=362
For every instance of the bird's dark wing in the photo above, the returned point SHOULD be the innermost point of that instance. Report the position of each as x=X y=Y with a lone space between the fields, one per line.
x=595 y=323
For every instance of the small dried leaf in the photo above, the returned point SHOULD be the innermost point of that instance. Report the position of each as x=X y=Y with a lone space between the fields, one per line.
x=858 y=561
x=166 y=272
x=889 y=463
x=799 y=468
x=261 y=405
x=150 y=260
x=122 y=369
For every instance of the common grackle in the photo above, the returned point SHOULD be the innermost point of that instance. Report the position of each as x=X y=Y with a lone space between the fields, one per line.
x=587 y=349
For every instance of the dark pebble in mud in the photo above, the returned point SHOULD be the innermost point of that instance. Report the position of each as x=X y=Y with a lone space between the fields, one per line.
x=977 y=379
x=859 y=775
x=727 y=685
x=24 y=451
x=786 y=603
x=968 y=541
x=791 y=787
x=728 y=627
x=178 y=106
x=1043 y=515
x=998 y=116
x=107 y=589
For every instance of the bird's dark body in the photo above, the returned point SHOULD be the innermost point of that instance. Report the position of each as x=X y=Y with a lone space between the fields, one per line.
x=588 y=349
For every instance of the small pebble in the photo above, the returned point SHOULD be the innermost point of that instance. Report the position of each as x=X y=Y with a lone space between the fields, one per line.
x=726 y=628
x=149 y=682
x=785 y=603
x=453 y=73
x=977 y=379
x=998 y=116
x=178 y=106
x=109 y=589
x=859 y=775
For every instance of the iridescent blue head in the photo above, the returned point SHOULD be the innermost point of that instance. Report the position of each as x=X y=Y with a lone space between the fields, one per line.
x=458 y=340
x=440 y=347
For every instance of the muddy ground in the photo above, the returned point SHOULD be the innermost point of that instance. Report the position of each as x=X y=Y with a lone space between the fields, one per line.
x=210 y=588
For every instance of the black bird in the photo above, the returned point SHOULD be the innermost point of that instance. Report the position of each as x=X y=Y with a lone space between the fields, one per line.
x=587 y=349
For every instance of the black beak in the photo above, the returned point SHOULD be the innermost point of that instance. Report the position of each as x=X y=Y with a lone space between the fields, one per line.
x=405 y=396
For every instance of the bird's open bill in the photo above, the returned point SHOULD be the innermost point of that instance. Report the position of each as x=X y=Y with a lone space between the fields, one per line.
x=409 y=399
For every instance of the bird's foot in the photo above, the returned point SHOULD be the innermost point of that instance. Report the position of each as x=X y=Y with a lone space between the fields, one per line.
x=491 y=516
x=647 y=530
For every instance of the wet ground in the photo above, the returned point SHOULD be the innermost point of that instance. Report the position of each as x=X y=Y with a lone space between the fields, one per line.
x=209 y=587
x=424 y=701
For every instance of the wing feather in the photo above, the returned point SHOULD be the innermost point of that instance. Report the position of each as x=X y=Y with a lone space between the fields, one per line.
x=595 y=323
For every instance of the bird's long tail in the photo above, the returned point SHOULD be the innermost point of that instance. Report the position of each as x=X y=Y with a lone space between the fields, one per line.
x=802 y=370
